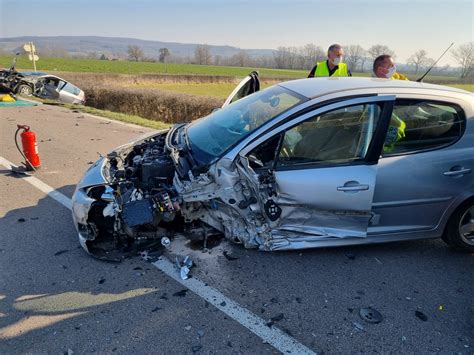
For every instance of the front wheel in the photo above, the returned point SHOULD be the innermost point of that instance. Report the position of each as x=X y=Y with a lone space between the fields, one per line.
x=25 y=90
x=459 y=232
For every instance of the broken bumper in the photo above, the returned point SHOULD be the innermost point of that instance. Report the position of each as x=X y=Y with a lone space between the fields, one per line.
x=81 y=203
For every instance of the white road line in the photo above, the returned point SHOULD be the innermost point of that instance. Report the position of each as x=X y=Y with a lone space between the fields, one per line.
x=48 y=190
x=273 y=336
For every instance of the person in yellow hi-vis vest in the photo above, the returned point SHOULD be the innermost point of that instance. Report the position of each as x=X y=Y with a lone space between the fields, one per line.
x=395 y=133
x=384 y=67
x=333 y=66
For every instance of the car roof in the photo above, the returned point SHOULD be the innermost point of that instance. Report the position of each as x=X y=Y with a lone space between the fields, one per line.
x=51 y=76
x=314 y=87
x=32 y=73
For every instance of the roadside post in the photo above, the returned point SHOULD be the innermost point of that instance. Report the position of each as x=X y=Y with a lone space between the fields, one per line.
x=30 y=49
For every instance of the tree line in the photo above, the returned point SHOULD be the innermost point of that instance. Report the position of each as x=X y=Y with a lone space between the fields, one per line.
x=357 y=58
x=304 y=57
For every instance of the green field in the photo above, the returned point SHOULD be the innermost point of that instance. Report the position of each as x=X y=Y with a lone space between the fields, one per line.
x=126 y=67
x=137 y=68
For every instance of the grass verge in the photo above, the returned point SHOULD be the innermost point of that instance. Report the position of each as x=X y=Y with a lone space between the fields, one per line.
x=117 y=116
x=122 y=117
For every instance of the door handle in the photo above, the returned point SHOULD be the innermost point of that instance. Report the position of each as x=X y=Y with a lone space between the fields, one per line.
x=457 y=172
x=353 y=188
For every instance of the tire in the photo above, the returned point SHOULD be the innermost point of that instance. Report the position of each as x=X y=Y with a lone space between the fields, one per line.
x=459 y=232
x=25 y=90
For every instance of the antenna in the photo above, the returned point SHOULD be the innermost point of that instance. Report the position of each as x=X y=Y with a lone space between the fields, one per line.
x=429 y=69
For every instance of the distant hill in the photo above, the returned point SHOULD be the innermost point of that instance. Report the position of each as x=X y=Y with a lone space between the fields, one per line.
x=114 y=46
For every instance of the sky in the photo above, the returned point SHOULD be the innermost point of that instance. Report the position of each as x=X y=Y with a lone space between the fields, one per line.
x=404 y=25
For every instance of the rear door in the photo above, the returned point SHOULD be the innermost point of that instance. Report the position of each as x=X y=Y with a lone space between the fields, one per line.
x=249 y=85
x=320 y=183
x=420 y=175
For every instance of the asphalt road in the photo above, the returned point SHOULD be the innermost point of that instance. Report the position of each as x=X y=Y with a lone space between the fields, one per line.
x=55 y=298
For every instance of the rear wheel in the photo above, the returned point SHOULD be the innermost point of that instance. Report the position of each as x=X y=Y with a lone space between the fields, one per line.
x=460 y=229
x=25 y=89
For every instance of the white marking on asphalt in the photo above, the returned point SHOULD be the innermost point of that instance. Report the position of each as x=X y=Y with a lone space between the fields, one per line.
x=271 y=335
x=48 y=190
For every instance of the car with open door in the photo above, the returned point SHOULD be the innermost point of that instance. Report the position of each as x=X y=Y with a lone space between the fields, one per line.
x=49 y=87
x=306 y=163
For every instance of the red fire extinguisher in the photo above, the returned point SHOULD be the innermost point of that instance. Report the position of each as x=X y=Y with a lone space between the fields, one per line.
x=30 y=148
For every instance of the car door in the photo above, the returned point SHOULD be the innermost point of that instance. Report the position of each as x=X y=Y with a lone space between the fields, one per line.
x=320 y=180
x=421 y=174
x=48 y=87
x=249 y=85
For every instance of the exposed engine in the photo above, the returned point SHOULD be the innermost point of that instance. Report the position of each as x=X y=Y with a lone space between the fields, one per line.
x=140 y=200
x=154 y=189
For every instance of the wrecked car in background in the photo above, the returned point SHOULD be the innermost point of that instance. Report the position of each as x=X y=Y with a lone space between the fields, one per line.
x=302 y=164
x=40 y=84
x=50 y=87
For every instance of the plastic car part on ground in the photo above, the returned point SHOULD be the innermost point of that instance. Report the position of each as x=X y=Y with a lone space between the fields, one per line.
x=370 y=315
x=184 y=266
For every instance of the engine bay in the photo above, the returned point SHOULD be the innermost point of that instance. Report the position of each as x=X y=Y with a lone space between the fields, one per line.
x=139 y=206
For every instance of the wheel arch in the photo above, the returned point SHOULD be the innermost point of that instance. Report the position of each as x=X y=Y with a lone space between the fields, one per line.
x=454 y=207
x=24 y=82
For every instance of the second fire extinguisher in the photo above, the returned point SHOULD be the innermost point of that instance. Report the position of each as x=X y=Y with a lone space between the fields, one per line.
x=30 y=148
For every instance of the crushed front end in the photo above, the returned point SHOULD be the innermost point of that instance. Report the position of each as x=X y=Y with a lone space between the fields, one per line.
x=127 y=198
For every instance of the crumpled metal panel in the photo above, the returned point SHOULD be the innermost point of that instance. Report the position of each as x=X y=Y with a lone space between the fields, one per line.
x=305 y=220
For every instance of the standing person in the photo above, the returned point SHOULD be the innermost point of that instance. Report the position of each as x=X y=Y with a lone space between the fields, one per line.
x=384 y=67
x=333 y=66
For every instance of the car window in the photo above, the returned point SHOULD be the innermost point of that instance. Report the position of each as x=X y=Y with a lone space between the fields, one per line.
x=418 y=125
x=71 y=89
x=339 y=136
x=61 y=84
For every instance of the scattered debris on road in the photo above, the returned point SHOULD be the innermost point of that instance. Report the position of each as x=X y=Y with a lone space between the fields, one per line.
x=61 y=252
x=421 y=315
x=358 y=326
x=228 y=256
x=184 y=266
x=370 y=315
x=275 y=319
x=350 y=256
x=181 y=293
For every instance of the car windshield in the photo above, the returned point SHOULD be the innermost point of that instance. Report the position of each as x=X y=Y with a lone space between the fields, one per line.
x=212 y=135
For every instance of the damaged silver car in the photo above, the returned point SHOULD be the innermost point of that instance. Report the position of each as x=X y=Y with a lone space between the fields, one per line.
x=306 y=163
x=50 y=87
